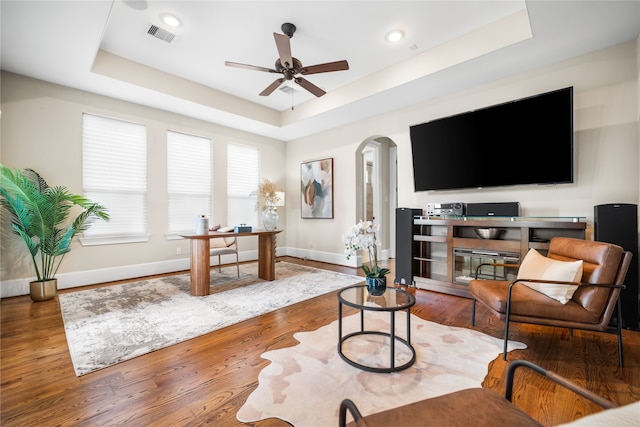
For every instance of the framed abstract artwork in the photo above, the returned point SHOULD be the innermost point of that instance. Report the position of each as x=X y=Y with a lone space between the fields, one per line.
x=316 y=189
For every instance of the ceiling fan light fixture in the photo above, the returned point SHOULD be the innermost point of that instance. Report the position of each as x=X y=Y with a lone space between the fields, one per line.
x=394 y=36
x=170 y=20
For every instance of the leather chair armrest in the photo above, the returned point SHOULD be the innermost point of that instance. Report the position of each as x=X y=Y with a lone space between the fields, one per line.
x=558 y=379
x=347 y=404
x=602 y=285
x=518 y=281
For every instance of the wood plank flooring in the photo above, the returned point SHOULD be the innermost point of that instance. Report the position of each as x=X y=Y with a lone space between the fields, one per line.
x=204 y=381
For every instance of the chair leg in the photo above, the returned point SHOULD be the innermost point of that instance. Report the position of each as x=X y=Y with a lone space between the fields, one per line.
x=237 y=264
x=473 y=313
x=506 y=337
x=619 y=331
x=506 y=325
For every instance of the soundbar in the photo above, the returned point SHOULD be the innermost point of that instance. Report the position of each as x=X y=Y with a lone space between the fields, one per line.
x=493 y=209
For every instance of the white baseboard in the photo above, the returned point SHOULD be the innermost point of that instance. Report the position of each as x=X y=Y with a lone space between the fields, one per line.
x=329 y=257
x=15 y=287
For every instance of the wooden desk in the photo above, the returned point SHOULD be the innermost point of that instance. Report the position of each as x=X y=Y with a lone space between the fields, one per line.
x=200 y=265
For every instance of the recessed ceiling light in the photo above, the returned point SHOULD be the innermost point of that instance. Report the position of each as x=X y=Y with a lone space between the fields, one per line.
x=170 y=20
x=394 y=36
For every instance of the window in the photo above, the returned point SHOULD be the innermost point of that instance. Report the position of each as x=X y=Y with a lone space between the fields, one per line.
x=243 y=172
x=188 y=180
x=114 y=173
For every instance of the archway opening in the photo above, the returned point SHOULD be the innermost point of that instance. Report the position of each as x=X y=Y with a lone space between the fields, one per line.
x=376 y=188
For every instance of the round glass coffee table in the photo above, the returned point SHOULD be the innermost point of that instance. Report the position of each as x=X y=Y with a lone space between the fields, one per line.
x=391 y=301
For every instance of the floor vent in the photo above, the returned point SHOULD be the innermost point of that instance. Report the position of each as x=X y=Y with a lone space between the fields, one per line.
x=160 y=33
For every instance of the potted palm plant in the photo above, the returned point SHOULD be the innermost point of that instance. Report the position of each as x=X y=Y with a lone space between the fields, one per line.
x=41 y=216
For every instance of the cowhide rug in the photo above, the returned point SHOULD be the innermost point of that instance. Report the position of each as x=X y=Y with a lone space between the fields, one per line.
x=305 y=384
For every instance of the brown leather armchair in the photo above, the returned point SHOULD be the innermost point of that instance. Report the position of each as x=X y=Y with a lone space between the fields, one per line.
x=592 y=305
x=477 y=407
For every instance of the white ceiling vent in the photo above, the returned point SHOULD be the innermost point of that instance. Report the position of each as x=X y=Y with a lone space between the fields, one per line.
x=287 y=89
x=160 y=33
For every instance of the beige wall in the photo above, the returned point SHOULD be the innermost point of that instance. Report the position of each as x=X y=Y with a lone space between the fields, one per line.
x=41 y=129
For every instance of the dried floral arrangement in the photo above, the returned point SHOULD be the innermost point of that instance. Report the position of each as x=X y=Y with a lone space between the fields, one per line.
x=267 y=194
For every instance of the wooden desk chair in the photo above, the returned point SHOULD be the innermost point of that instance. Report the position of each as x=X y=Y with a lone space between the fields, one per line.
x=586 y=300
x=482 y=407
x=225 y=246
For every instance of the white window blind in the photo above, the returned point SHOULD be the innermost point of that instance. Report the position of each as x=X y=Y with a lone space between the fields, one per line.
x=114 y=173
x=243 y=172
x=189 y=180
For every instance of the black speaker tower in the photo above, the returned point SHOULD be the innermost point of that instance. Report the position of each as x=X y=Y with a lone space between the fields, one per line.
x=618 y=223
x=406 y=247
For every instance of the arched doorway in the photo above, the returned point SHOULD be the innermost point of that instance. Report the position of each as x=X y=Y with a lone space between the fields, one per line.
x=376 y=188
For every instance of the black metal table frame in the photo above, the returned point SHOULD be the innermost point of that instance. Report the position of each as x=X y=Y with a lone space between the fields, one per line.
x=391 y=334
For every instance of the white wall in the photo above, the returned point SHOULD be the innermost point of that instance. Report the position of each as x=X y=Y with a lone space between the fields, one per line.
x=41 y=129
x=606 y=149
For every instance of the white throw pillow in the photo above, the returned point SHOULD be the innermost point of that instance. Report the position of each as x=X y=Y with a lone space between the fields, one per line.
x=536 y=266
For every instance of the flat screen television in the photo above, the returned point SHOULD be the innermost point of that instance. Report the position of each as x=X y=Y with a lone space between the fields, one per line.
x=526 y=141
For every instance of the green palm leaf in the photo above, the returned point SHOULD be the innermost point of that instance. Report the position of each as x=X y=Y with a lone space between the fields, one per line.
x=40 y=215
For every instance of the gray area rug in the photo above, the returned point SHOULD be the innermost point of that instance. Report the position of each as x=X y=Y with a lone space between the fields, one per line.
x=108 y=325
x=305 y=384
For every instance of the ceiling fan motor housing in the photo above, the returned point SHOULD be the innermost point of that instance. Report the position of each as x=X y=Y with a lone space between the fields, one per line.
x=289 y=72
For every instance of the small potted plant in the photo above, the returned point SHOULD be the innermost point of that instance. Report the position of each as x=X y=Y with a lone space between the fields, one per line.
x=40 y=215
x=362 y=236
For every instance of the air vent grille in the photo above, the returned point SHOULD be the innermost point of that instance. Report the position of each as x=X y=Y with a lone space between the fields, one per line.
x=160 y=33
x=287 y=89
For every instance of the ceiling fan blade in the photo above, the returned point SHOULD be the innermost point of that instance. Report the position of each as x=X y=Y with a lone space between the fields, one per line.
x=273 y=86
x=325 y=68
x=310 y=86
x=284 y=49
x=249 y=67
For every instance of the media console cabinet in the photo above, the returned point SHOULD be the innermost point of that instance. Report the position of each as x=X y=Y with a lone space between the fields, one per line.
x=446 y=252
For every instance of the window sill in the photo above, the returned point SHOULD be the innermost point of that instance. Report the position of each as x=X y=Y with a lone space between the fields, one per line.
x=114 y=240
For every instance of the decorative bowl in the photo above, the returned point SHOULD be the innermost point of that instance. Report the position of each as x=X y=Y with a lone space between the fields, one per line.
x=489 y=233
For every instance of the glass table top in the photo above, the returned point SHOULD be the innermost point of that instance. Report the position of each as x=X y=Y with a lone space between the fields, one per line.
x=392 y=299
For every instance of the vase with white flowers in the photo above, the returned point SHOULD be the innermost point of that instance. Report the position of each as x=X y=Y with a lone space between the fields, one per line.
x=362 y=236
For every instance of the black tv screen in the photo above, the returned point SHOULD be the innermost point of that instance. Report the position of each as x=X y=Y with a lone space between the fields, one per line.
x=527 y=141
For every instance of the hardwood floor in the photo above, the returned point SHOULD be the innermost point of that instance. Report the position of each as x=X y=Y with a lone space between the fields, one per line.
x=204 y=381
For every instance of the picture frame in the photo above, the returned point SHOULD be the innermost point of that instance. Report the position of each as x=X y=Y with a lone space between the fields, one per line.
x=316 y=189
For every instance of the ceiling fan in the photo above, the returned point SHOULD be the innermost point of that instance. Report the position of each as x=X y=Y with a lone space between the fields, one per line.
x=291 y=68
